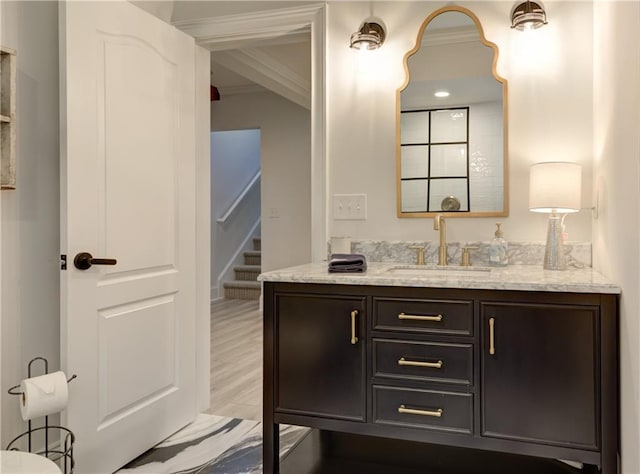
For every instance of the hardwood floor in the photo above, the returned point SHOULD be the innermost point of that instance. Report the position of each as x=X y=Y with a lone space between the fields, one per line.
x=236 y=359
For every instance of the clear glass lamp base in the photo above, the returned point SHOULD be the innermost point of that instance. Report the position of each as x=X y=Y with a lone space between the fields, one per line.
x=554 y=256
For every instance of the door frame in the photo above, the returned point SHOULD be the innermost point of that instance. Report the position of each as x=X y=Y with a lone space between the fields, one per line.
x=235 y=31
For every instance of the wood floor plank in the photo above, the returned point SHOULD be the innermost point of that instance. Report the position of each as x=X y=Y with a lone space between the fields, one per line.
x=236 y=359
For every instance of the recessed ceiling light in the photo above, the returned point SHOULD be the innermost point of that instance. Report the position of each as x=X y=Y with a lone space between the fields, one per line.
x=441 y=94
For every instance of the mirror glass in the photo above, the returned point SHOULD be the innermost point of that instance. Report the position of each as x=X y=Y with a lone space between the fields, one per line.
x=452 y=122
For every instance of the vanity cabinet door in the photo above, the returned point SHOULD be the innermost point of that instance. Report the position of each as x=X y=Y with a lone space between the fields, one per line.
x=320 y=356
x=539 y=373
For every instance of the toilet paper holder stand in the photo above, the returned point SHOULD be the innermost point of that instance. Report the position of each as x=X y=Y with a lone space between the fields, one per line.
x=65 y=453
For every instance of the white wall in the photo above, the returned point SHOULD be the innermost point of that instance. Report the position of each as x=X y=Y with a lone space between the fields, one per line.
x=162 y=9
x=30 y=227
x=616 y=104
x=235 y=160
x=285 y=130
x=550 y=113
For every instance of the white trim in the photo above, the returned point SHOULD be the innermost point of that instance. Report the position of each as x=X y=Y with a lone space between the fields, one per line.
x=319 y=164
x=267 y=71
x=203 y=228
x=234 y=31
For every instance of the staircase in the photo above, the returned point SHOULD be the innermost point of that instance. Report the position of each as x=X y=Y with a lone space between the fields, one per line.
x=246 y=286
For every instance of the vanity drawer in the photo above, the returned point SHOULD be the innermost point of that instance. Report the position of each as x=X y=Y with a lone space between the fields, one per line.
x=428 y=409
x=423 y=316
x=428 y=361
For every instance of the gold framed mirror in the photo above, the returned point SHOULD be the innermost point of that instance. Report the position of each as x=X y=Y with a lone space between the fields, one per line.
x=451 y=122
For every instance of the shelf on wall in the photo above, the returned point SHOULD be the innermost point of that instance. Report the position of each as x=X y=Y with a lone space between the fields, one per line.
x=7 y=118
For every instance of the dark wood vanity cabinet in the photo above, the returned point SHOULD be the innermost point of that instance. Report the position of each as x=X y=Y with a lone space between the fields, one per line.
x=539 y=369
x=519 y=372
x=320 y=356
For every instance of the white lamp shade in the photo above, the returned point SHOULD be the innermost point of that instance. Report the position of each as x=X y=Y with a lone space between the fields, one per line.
x=555 y=186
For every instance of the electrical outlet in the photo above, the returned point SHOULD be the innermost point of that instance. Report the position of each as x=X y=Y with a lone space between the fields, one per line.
x=350 y=206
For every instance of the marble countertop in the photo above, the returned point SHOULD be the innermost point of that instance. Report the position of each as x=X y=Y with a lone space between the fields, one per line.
x=512 y=277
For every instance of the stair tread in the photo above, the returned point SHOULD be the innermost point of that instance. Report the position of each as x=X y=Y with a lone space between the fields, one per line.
x=248 y=268
x=255 y=253
x=242 y=284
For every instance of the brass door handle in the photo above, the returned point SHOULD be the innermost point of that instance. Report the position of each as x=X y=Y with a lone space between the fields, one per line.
x=414 y=317
x=84 y=261
x=492 y=342
x=354 y=338
x=415 y=363
x=412 y=411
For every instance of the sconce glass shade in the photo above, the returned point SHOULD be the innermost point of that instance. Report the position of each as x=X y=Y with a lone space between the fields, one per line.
x=371 y=35
x=528 y=15
x=555 y=188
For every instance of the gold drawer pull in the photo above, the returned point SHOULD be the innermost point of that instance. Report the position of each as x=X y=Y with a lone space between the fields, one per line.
x=415 y=363
x=492 y=342
x=414 y=317
x=354 y=338
x=413 y=411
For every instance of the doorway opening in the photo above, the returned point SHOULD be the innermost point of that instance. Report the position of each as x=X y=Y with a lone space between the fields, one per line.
x=236 y=329
x=235 y=213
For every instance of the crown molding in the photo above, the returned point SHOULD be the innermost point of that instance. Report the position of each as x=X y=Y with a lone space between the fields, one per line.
x=233 y=31
x=265 y=70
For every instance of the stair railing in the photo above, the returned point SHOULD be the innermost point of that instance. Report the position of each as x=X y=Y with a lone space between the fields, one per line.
x=239 y=199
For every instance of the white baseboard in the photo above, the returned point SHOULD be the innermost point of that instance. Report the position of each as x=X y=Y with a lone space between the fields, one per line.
x=214 y=294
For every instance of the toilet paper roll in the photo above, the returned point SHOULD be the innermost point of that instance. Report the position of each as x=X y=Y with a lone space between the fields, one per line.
x=43 y=395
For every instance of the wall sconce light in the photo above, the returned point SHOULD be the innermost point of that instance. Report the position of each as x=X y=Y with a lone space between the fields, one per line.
x=528 y=15
x=555 y=188
x=371 y=35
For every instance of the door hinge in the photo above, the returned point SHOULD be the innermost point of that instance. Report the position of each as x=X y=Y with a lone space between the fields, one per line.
x=63 y=262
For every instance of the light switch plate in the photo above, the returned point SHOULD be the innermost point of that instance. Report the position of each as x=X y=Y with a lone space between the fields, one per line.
x=350 y=207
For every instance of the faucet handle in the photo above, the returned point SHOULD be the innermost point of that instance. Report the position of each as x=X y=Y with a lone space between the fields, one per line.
x=438 y=219
x=420 y=256
x=465 y=261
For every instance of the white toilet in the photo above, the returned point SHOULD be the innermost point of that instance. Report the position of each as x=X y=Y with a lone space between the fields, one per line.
x=19 y=462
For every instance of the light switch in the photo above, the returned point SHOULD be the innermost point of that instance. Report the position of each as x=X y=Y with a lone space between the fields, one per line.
x=350 y=206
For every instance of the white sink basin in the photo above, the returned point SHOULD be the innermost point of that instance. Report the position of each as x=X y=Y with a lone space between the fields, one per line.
x=431 y=270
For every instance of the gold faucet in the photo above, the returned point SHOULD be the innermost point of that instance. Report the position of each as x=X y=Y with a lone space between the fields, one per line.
x=440 y=224
x=420 y=257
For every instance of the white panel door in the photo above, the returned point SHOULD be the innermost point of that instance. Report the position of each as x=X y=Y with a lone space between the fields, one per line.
x=128 y=193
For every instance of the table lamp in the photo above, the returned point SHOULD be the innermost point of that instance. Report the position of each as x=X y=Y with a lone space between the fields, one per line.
x=555 y=188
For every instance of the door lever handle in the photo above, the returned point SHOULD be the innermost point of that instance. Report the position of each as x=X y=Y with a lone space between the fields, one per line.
x=84 y=261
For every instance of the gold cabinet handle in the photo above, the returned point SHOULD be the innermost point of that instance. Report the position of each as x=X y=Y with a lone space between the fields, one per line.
x=414 y=317
x=492 y=342
x=354 y=338
x=413 y=411
x=415 y=363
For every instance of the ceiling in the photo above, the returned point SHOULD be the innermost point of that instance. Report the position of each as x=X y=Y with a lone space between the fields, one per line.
x=281 y=66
